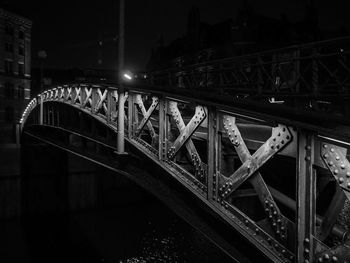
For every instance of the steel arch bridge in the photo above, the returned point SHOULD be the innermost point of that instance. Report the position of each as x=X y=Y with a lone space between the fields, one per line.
x=278 y=177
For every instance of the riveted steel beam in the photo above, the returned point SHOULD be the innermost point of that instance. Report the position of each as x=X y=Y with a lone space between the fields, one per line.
x=306 y=195
x=163 y=130
x=87 y=97
x=280 y=138
x=187 y=131
x=278 y=222
x=200 y=167
x=101 y=100
x=336 y=161
x=146 y=116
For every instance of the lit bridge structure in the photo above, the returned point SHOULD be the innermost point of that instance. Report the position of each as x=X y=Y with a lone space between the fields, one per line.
x=276 y=176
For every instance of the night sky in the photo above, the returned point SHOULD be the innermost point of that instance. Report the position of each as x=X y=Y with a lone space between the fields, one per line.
x=69 y=31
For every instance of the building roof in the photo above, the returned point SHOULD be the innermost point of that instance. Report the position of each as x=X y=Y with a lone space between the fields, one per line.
x=15 y=17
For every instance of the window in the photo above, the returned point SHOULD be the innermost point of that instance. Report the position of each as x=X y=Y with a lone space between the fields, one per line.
x=8 y=66
x=20 y=69
x=9 y=90
x=20 y=92
x=21 y=50
x=9 y=29
x=9 y=114
x=9 y=47
x=20 y=34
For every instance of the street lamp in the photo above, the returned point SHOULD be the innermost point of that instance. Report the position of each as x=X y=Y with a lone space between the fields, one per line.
x=120 y=136
x=127 y=76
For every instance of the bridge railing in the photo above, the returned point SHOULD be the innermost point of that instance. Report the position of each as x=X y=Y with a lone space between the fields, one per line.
x=279 y=178
x=314 y=70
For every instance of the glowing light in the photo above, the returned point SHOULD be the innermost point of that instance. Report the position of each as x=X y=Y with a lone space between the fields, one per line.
x=127 y=76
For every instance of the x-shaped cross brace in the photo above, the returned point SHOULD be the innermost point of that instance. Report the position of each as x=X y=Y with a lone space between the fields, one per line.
x=146 y=116
x=200 y=167
x=87 y=99
x=101 y=100
x=249 y=170
x=69 y=93
x=77 y=94
x=337 y=163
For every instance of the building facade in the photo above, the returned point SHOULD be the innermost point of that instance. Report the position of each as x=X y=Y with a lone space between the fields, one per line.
x=15 y=68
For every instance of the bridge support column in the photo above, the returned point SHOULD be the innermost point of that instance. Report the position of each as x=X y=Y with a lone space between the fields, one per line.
x=120 y=140
x=306 y=193
x=41 y=112
x=213 y=144
x=163 y=130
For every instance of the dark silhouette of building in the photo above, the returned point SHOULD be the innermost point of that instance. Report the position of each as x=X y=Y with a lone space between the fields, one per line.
x=248 y=32
x=15 y=63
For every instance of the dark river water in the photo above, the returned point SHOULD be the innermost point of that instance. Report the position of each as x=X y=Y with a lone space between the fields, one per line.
x=145 y=231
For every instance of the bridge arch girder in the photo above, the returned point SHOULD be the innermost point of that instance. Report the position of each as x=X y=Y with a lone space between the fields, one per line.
x=226 y=157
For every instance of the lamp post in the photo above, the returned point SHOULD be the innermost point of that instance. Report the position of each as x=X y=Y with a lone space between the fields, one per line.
x=120 y=137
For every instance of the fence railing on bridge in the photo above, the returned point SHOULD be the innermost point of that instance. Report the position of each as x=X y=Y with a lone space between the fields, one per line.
x=316 y=73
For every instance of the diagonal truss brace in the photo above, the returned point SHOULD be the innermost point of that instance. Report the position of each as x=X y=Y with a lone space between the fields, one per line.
x=187 y=131
x=77 y=94
x=280 y=138
x=200 y=167
x=276 y=219
x=88 y=93
x=146 y=115
x=101 y=100
x=337 y=163
x=69 y=93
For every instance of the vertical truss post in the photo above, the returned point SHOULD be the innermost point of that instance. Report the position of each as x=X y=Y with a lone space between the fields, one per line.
x=109 y=106
x=120 y=136
x=163 y=127
x=94 y=98
x=213 y=146
x=41 y=112
x=130 y=114
x=306 y=194
x=83 y=96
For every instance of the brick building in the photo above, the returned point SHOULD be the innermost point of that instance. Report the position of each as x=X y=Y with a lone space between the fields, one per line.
x=15 y=67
